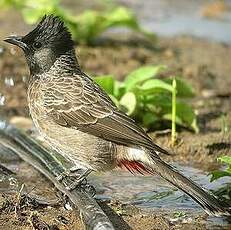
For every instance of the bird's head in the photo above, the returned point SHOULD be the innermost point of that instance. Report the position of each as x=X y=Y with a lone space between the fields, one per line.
x=44 y=44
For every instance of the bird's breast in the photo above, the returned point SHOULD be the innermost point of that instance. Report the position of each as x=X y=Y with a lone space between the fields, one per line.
x=80 y=147
x=35 y=102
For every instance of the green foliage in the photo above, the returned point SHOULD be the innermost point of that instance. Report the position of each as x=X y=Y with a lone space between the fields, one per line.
x=84 y=27
x=221 y=173
x=148 y=99
x=141 y=75
x=224 y=191
x=179 y=214
x=107 y=83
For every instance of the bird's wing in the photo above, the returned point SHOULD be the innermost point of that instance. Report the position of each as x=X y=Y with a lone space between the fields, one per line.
x=79 y=103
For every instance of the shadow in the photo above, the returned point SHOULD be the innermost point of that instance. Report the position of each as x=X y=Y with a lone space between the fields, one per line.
x=117 y=221
x=129 y=41
x=218 y=146
x=5 y=171
x=204 y=119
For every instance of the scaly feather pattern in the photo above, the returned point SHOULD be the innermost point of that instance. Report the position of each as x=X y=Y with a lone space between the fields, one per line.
x=74 y=100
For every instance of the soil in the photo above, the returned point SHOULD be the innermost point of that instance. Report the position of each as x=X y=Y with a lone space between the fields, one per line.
x=206 y=65
x=36 y=204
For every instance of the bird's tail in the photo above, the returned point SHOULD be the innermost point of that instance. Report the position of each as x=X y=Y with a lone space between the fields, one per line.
x=145 y=162
x=208 y=201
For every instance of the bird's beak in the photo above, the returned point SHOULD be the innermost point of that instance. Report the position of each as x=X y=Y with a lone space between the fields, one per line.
x=16 y=40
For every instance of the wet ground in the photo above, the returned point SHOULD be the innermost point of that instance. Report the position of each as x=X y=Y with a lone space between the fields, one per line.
x=204 y=19
x=140 y=202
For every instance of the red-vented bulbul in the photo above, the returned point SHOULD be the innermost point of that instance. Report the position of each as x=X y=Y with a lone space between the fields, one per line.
x=79 y=120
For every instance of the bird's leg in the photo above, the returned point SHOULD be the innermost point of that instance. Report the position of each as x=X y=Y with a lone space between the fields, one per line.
x=63 y=175
x=71 y=172
x=77 y=176
x=80 y=179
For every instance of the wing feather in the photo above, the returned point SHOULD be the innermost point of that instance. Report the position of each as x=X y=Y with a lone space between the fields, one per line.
x=86 y=107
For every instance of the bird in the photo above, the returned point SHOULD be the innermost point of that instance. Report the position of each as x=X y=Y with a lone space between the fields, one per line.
x=78 y=119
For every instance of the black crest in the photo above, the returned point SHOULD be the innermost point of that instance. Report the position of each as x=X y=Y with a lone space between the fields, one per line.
x=52 y=29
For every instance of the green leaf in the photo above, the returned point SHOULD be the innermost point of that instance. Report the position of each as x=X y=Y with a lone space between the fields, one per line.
x=91 y=24
x=161 y=104
x=121 y=16
x=119 y=89
x=179 y=121
x=218 y=174
x=149 y=118
x=225 y=159
x=154 y=86
x=222 y=173
x=106 y=82
x=87 y=26
x=124 y=17
x=183 y=88
x=18 y=4
x=187 y=114
x=33 y=11
x=141 y=74
x=84 y=27
x=159 y=99
x=128 y=101
x=179 y=214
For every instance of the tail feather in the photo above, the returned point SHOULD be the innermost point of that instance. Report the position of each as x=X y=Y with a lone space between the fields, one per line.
x=208 y=201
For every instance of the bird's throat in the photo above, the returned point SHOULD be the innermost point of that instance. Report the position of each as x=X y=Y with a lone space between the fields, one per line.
x=46 y=61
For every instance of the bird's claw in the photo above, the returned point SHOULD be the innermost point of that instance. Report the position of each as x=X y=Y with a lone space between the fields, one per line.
x=79 y=182
x=75 y=178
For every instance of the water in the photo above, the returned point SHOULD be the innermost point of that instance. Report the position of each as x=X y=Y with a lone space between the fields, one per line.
x=12 y=88
x=179 y=17
x=151 y=191
x=152 y=194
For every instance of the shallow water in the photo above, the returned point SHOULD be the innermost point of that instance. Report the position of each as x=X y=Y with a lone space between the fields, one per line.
x=152 y=191
x=154 y=194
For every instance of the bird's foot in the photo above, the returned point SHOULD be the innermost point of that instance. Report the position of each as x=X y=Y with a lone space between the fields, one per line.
x=63 y=175
x=89 y=189
x=75 y=177
x=82 y=184
x=72 y=172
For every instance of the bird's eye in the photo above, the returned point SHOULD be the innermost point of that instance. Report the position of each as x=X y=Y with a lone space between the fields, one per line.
x=37 y=45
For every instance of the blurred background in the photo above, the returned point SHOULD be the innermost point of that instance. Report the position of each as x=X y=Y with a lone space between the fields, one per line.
x=91 y=22
x=134 y=49
x=97 y=23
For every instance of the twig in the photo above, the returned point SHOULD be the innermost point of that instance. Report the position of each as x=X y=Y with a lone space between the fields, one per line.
x=39 y=157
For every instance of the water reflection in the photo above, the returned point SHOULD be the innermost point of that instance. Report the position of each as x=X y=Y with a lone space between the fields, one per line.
x=2 y=100
x=9 y=81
